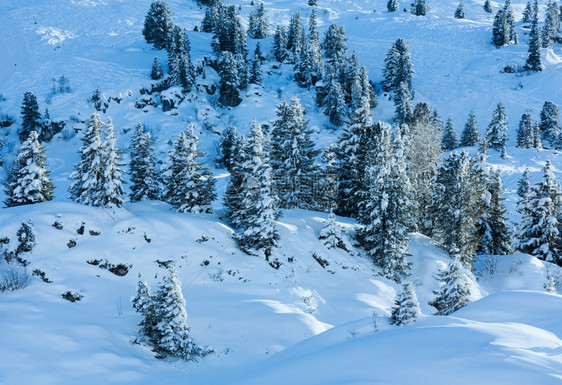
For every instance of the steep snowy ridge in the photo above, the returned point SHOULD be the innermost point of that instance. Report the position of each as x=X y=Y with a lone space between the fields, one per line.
x=301 y=323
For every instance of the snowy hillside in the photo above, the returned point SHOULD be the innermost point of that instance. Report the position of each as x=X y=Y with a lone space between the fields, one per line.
x=309 y=315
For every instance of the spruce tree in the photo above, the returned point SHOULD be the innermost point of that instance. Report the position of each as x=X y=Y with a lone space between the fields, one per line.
x=524 y=184
x=496 y=132
x=419 y=8
x=229 y=143
x=527 y=13
x=157 y=72
x=450 y=140
x=143 y=303
x=279 y=46
x=28 y=181
x=158 y=25
x=334 y=43
x=454 y=292
x=258 y=27
x=459 y=12
x=330 y=235
x=229 y=34
x=26 y=237
x=487 y=6
x=496 y=237
x=403 y=104
x=550 y=124
x=525 y=132
x=470 y=135
x=398 y=67
x=392 y=5
x=30 y=116
x=189 y=184
x=255 y=71
x=229 y=79
x=145 y=179
x=88 y=170
x=406 y=307
x=295 y=37
x=503 y=32
x=171 y=330
x=238 y=184
x=110 y=182
x=551 y=26
x=334 y=103
x=538 y=232
x=534 y=62
x=456 y=205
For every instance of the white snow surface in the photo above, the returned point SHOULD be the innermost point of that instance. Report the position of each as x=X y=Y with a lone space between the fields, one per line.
x=300 y=324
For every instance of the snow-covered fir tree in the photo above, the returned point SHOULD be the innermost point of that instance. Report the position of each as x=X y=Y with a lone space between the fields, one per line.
x=470 y=135
x=189 y=184
x=406 y=307
x=258 y=27
x=525 y=132
x=334 y=44
x=171 y=332
x=87 y=171
x=487 y=6
x=524 y=184
x=455 y=205
x=551 y=27
x=229 y=143
x=534 y=61
x=180 y=68
x=460 y=12
x=331 y=234
x=293 y=157
x=30 y=116
x=419 y=8
x=158 y=25
x=28 y=181
x=496 y=237
x=398 y=67
x=496 y=132
x=229 y=33
x=145 y=178
x=550 y=124
x=229 y=79
x=279 y=46
x=455 y=291
x=143 y=303
x=334 y=103
x=386 y=211
x=239 y=182
x=257 y=209
x=527 y=13
x=26 y=237
x=392 y=5
x=404 y=110
x=156 y=72
x=256 y=76
x=538 y=231
x=450 y=141
x=295 y=38
x=503 y=32
x=110 y=182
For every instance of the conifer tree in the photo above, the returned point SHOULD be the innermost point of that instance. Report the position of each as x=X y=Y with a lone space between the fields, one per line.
x=258 y=204
x=456 y=206
x=525 y=132
x=28 y=181
x=527 y=13
x=143 y=303
x=229 y=34
x=171 y=330
x=30 y=116
x=459 y=12
x=279 y=46
x=419 y=8
x=229 y=80
x=450 y=140
x=26 y=237
x=239 y=182
x=503 y=32
x=550 y=124
x=334 y=43
x=367 y=88
x=229 y=143
x=386 y=213
x=145 y=179
x=334 y=103
x=157 y=72
x=398 y=67
x=258 y=27
x=524 y=184
x=110 y=182
x=470 y=135
x=487 y=6
x=454 y=292
x=496 y=238
x=88 y=170
x=255 y=71
x=295 y=38
x=551 y=26
x=534 y=62
x=392 y=5
x=189 y=184
x=406 y=307
x=210 y=19
x=331 y=235
x=158 y=25
x=537 y=142
x=538 y=232
x=496 y=133
x=403 y=104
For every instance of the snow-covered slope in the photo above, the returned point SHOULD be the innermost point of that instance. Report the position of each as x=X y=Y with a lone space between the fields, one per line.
x=240 y=305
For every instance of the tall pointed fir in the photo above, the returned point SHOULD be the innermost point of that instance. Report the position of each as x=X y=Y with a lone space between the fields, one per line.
x=334 y=43
x=386 y=213
x=88 y=170
x=527 y=13
x=256 y=76
x=189 y=184
x=456 y=206
x=258 y=27
x=404 y=110
x=487 y=6
x=229 y=34
x=110 y=190
x=455 y=291
x=524 y=184
x=293 y=157
x=470 y=135
x=398 y=67
x=450 y=140
x=229 y=79
x=145 y=179
x=230 y=143
x=279 y=46
x=171 y=330
x=143 y=303
x=392 y=5
x=550 y=124
x=460 y=12
x=419 y=8
x=334 y=103
x=525 y=132
x=538 y=232
x=496 y=132
x=28 y=181
x=158 y=25
x=180 y=68
x=406 y=307
x=551 y=26
x=257 y=233
x=330 y=235
x=30 y=116
x=496 y=237
x=534 y=61
x=239 y=182
x=295 y=38
x=156 y=72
